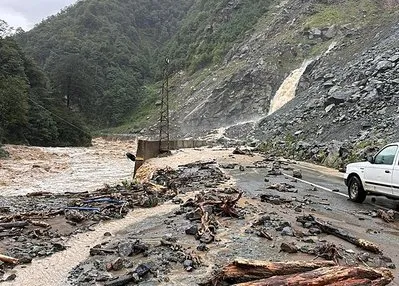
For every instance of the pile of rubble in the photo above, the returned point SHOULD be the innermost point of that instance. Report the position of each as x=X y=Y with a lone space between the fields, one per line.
x=38 y=224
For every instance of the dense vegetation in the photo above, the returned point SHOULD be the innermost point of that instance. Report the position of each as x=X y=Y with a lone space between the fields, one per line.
x=99 y=53
x=210 y=30
x=29 y=112
x=95 y=62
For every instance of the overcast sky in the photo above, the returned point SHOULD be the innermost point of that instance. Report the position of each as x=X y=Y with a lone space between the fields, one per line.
x=27 y=13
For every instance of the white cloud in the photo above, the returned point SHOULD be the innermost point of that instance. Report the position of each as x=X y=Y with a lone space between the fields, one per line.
x=15 y=19
x=27 y=13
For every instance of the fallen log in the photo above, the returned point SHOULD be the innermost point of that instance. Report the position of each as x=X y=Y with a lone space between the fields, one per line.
x=39 y=194
x=14 y=224
x=8 y=259
x=330 y=229
x=336 y=275
x=242 y=270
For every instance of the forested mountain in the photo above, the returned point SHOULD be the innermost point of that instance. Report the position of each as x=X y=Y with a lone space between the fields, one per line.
x=30 y=112
x=99 y=53
x=210 y=30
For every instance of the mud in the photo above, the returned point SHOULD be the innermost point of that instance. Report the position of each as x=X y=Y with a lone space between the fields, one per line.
x=173 y=257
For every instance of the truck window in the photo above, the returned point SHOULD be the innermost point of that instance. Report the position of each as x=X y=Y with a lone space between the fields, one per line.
x=386 y=155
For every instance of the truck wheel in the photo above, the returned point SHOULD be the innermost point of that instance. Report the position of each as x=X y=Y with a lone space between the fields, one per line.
x=356 y=191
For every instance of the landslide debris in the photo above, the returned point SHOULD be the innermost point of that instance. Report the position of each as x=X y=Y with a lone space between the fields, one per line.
x=39 y=224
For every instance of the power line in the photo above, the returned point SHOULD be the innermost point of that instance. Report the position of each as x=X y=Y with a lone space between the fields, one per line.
x=62 y=119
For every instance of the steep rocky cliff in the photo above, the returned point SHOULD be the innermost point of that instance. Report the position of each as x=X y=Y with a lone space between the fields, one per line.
x=347 y=94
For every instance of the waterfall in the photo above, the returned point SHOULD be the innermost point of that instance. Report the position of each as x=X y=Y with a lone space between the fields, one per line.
x=287 y=90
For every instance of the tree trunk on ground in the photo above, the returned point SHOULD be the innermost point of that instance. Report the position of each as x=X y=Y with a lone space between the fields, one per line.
x=8 y=259
x=336 y=276
x=242 y=270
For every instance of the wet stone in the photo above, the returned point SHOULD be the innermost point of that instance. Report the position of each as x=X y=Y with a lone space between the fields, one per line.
x=11 y=277
x=287 y=231
x=202 y=247
x=117 y=264
x=391 y=266
x=288 y=247
x=188 y=265
x=297 y=174
x=314 y=230
x=25 y=259
x=193 y=230
x=125 y=249
x=142 y=270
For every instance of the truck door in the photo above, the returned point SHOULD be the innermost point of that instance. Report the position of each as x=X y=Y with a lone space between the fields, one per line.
x=378 y=176
x=395 y=177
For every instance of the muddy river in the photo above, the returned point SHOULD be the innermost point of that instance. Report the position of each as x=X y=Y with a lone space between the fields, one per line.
x=57 y=170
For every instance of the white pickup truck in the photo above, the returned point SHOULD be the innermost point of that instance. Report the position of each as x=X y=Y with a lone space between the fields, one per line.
x=379 y=175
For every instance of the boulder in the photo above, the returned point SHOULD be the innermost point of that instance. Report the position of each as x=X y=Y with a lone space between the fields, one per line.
x=297 y=174
x=338 y=96
x=289 y=247
x=384 y=65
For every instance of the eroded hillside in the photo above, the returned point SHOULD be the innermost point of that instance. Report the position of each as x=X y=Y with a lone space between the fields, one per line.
x=356 y=34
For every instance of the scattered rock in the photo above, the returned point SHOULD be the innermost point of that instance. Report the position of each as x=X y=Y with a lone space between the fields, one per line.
x=288 y=247
x=297 y=174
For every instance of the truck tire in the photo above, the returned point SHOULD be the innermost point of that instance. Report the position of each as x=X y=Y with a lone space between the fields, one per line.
x=355 y=190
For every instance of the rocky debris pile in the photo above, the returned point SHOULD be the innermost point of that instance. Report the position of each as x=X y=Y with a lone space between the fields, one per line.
x=130 y=261
x=115 y=261
x=354 y=103
x=194 y=175
x=37 y=225
x=335 y=154
x=312 y=241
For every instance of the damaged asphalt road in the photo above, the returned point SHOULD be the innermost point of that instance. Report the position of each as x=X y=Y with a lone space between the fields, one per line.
x=276 y=219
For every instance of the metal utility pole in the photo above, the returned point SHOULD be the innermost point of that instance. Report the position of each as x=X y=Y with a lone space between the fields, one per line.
x=164 y=119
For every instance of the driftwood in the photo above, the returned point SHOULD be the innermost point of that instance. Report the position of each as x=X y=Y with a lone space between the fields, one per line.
x=337 y=276
x=14 y=224
x=39 y=194
x=242 y=270
x=265 y=234
x=330 y=229
x=225 y=206
x=8 y=259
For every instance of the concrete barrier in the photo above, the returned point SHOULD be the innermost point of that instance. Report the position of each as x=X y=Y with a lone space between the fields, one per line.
x=151 y=149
